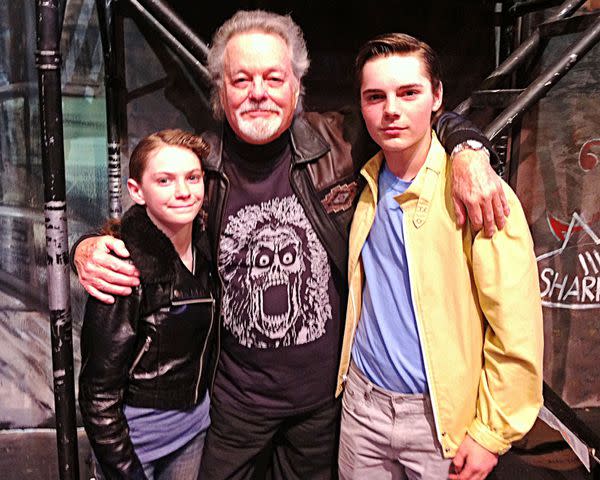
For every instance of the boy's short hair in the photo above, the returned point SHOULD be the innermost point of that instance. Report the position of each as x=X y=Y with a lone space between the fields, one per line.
x=390 y=44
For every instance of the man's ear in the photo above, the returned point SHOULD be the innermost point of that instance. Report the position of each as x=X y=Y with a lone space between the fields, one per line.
x=438 y=97
x=135 y=191
x=297 y=95
x=222 y=101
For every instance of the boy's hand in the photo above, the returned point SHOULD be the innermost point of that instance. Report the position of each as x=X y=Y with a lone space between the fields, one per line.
x=472 y=461
x=477 y=191
x=102 y=273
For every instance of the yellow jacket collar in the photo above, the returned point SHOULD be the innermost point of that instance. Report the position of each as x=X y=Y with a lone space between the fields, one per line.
x=423 y=186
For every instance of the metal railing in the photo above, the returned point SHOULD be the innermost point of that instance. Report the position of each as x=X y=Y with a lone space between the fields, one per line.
x=544 y=82
x=520 y=55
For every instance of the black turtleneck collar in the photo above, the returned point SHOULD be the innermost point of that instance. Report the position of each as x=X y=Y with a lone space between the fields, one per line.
x=255 y=158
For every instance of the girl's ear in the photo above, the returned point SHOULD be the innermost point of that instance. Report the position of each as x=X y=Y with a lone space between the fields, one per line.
x=438 y=97
x=135 y=191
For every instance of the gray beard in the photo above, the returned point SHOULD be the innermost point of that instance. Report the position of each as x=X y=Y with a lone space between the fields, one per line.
x=259 y=129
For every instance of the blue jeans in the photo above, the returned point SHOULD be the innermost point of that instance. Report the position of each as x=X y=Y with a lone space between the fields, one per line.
x=182 y=464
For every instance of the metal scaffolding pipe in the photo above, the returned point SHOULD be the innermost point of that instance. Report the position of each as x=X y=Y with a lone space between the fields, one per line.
x=523 y=7
x=113 y=83
x=48 y=62
x=173 y=22
x=62 y=10
x=545 y=82
x=195 y=65
x=524 y=51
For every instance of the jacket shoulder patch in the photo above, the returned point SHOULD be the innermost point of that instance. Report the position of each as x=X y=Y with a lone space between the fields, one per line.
x=340 y=197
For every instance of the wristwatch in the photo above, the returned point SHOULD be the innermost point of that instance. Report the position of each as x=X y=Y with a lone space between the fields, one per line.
x=474 y=145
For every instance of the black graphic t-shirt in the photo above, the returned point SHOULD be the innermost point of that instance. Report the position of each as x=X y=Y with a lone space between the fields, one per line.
x=280 y=308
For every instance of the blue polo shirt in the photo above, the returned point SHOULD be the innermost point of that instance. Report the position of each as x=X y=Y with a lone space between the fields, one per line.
x=386 y=347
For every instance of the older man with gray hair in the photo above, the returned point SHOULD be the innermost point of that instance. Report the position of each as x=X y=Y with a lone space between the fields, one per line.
x=281 y=189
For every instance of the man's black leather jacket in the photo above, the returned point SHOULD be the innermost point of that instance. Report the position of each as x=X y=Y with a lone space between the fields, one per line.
x=328 y=150
x=134 y=353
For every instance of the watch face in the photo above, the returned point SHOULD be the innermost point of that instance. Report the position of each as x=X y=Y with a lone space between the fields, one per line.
x=474 y=144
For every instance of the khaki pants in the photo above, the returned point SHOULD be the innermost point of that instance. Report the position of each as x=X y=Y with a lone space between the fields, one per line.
x=387 y=435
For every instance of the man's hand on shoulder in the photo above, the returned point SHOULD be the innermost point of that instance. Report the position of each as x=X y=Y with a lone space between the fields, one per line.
x=101 y=273
x=472 y=461
x=477 y=191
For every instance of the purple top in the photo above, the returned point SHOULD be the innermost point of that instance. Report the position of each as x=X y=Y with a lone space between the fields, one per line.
x=156 y=433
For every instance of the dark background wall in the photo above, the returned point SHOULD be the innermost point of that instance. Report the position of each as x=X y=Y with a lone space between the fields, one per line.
x=461 y=31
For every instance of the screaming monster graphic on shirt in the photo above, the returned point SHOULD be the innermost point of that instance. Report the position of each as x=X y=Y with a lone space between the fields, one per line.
x=276 y=276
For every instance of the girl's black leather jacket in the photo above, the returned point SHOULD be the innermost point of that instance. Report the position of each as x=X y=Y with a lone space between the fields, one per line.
x=134 y=352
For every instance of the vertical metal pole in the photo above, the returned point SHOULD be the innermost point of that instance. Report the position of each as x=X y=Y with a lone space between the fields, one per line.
x=27 y=130
x=112 y=82
x=48 y=63
x=498 y=16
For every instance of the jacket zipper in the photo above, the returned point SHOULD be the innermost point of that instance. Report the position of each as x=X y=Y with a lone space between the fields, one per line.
x=218 y=239
x=351 y=290
x=355 y=318
x=212 y=318
x=177 y=303
x=140 y=354
x=432 y=393
x=210 y=300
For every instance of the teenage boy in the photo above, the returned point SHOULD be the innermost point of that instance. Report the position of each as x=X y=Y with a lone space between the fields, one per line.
x=444 y=325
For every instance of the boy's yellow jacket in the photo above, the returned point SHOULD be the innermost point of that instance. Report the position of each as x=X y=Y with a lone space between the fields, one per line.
x=477 y=304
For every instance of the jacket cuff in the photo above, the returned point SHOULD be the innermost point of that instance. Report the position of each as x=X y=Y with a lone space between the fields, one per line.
x=487 y=438
x=453 y=129
x=95 y=233
x=462 y=135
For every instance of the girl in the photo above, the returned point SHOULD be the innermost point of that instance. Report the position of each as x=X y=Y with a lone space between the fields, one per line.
x=145 y=358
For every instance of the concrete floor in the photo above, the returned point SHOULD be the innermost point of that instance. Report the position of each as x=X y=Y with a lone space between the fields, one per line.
x=31 y=455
